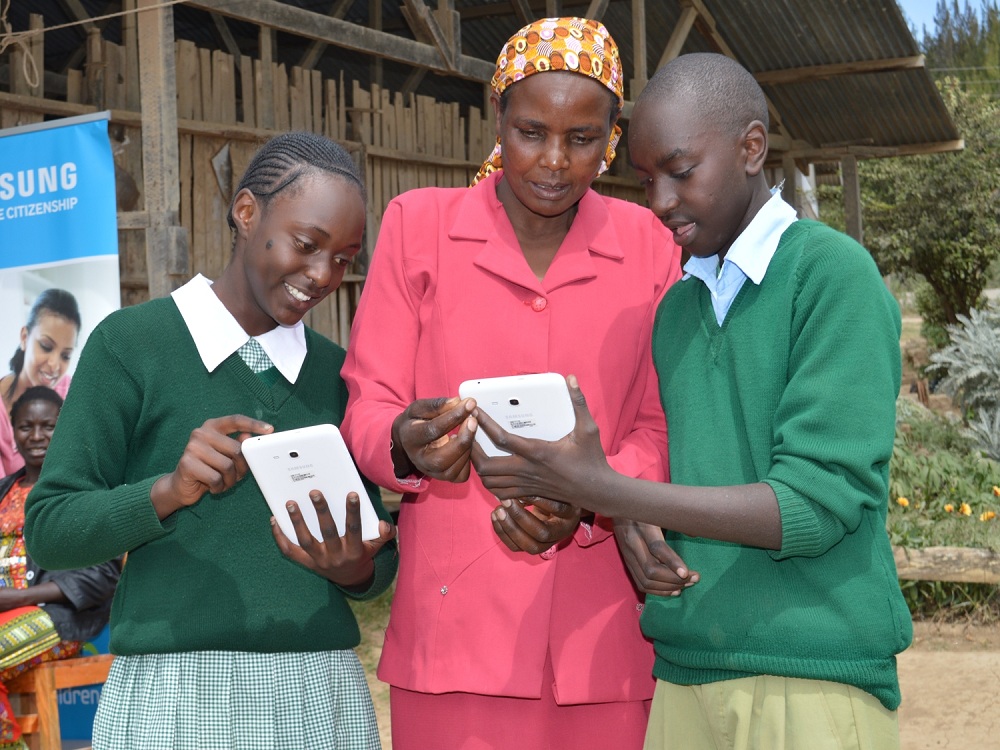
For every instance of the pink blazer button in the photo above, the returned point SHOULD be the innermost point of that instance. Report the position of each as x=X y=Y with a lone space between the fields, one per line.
x=538 y=304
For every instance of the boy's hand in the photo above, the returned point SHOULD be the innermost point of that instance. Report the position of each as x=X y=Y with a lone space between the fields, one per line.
x=212 y=461
x=569 y=470
x=534 y=524
x=344 y=560
x=422 y=443
x=655 y=567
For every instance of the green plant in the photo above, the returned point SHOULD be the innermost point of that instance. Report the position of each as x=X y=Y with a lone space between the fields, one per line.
x=933 y=319
x=970 y=369
x=948 y=601
x=942 y=490
x=970 y=364
x=936 y=216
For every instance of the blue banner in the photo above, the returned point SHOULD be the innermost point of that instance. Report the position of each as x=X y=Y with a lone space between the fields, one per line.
x=58 y=235
x=57 y=193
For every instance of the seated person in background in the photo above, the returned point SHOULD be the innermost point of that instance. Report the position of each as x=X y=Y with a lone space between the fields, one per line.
x=779 y=367
x=48 y=339
x=76 y=602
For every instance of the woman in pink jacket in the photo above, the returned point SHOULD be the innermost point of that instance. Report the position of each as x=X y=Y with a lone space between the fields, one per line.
x=511 y=629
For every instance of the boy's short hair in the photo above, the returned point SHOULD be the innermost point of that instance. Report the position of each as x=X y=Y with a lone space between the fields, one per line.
x=722 y=90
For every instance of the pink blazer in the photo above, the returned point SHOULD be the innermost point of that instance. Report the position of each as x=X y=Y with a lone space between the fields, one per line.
x=450 y=297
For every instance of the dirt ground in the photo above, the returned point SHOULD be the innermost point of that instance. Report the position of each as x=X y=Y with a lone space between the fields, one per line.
x=950 y=679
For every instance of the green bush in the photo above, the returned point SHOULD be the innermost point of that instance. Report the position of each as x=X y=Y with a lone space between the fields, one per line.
x=942 y=490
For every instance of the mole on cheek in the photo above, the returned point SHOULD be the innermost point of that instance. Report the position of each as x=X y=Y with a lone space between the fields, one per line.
x=269 y=244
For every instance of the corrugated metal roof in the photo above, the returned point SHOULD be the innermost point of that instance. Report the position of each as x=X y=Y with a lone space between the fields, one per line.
x=876 y=112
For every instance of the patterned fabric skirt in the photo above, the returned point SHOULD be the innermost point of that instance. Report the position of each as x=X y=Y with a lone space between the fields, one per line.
x=226 y=700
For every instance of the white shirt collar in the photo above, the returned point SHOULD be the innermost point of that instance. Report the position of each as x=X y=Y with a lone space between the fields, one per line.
x=217 y=335
x=753 y=249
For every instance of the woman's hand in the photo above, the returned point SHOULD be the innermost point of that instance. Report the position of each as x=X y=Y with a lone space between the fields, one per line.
x=344 y=560
x=570 y=470
x=655 y=567
x=212 y=462
x=422 y=443
x=535 y=524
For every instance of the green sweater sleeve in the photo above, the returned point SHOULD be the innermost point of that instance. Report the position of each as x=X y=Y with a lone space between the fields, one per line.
x=835 y=422
x=82 y=511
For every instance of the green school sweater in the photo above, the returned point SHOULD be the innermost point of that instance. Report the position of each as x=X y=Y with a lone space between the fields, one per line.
x=208 y=577
x=797 y=388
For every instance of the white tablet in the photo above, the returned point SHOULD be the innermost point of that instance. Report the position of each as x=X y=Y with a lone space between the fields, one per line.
x=288 y=465
x=534 y=406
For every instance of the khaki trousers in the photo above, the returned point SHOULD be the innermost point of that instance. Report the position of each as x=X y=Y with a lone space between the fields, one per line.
x=769 y=713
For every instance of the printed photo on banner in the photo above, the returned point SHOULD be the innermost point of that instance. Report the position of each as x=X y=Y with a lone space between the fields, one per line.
x=58 y=245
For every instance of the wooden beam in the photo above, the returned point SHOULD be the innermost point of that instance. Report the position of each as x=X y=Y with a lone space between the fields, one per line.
x=957 y=564
x=75 y=10
x=523 y=11
x=425 y=26
x=227 y=131
x=166 y=240
x=689 y=15
x=820 y=72
x=640 y=74
x=316 y=49
x=228 y=40
x=852 y=197
x=874 y=152
x=412 y=81
x=304 y=23
x=596 y=9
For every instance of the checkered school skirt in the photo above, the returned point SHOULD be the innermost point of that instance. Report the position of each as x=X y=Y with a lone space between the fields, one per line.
x=225 y=700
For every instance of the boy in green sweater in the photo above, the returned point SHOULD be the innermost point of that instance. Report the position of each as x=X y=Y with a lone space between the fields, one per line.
x=779 y=366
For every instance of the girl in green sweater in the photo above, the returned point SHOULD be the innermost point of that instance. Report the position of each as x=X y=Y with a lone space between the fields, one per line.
x=226 y=634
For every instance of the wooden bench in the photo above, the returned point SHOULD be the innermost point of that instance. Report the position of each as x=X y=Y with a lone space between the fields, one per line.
x=37 y=688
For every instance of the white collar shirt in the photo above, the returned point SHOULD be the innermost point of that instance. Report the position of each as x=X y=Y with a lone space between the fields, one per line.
x=217 y=334
x=748 y=257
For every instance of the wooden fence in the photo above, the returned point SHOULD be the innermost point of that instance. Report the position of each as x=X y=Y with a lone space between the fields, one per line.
x=225 y=110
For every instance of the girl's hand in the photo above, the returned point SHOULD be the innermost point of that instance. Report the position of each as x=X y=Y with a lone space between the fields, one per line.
x=534 y=524
x=344 y=560
x=422 y=443
x=212 y=462
x=569 y=470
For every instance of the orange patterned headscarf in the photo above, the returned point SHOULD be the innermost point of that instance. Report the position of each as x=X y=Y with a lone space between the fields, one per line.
x=577 y=45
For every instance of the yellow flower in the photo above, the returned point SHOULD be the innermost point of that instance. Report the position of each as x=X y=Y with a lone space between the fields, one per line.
x=987 y=516
x=949 y=508
x=964 y=509
x=996 y=490
x=902 y=502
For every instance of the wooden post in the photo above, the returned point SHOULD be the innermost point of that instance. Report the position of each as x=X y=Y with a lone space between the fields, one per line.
x=789 y=192
x=375 y=22
x=265 y=79
x=852 y=197
x=131 y=57
x=166 y=240
x=640 y=74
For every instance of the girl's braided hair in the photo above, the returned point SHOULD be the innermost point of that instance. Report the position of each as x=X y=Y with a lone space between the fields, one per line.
x=285 y=158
